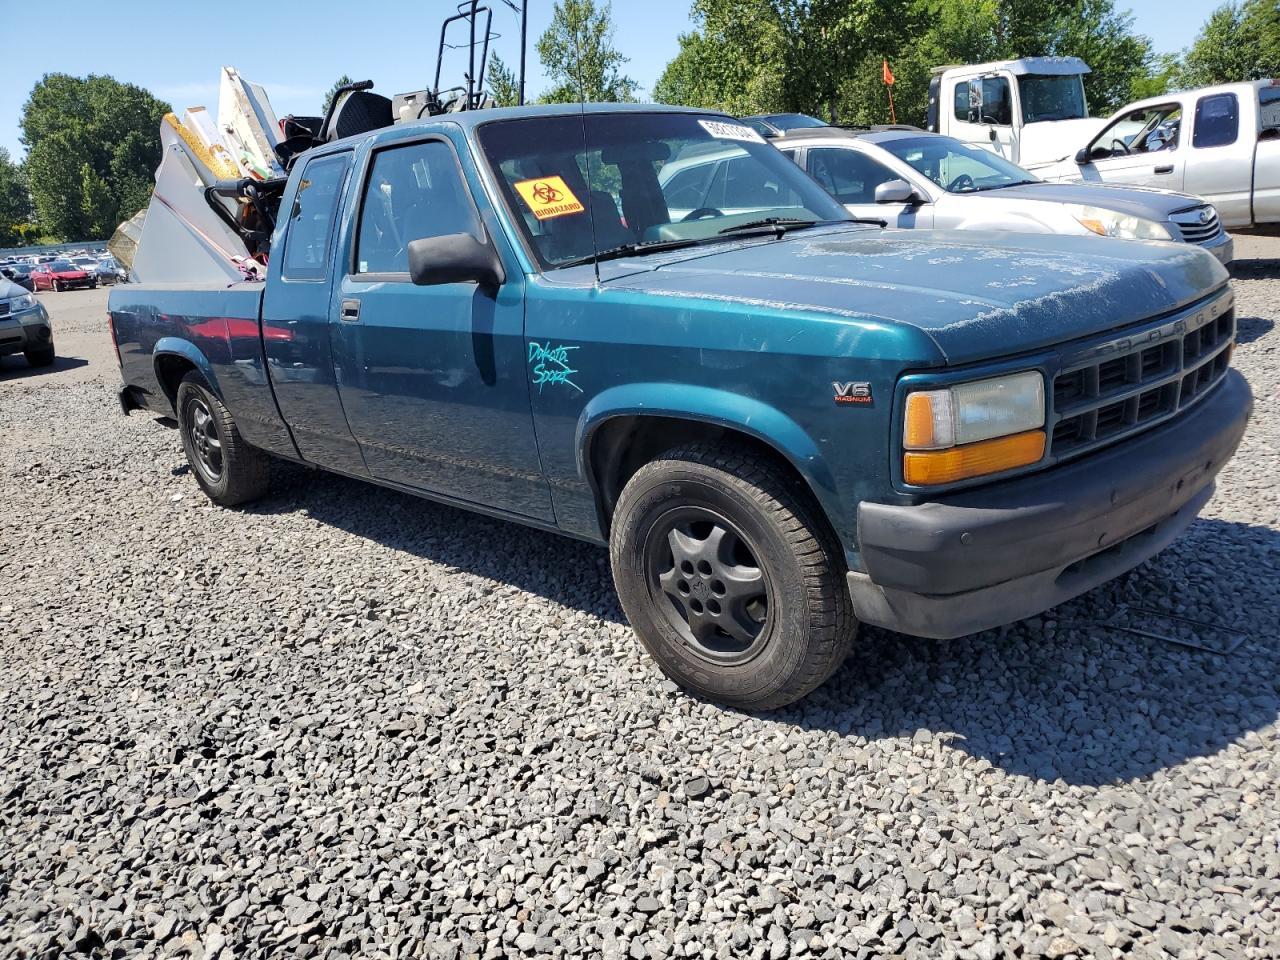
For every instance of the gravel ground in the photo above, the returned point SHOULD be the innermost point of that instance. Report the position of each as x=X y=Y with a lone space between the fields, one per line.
x=349 y=723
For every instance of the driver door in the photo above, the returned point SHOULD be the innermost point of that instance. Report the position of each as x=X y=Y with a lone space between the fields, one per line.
x=1143 y=147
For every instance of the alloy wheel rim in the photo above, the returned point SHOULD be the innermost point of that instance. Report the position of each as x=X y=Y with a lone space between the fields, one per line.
x=704 y=576
x=205 y=440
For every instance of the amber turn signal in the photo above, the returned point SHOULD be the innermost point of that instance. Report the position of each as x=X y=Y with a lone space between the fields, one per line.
x=933 y=467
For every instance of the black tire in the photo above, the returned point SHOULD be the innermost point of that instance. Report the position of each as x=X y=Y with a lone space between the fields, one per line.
x=229 y=471
x=42 y=357
x=803 y=613
x=56 y=287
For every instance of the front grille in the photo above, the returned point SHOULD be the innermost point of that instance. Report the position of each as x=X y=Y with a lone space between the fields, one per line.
x=1131 y=384
x=1199 y=224
x=4 y=308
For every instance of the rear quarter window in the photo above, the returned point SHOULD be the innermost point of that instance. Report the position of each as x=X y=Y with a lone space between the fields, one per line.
x=1217 y=121
x=306 y=247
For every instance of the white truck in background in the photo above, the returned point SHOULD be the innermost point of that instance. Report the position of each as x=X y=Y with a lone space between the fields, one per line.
x=1031 y=111
x=1220 y=143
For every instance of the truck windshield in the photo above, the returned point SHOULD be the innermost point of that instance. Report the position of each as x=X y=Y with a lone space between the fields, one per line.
x=1051 y=97
x=619 y=183
x=957 y=167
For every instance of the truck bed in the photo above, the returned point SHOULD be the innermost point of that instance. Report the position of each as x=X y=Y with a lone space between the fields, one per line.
x=164 y=330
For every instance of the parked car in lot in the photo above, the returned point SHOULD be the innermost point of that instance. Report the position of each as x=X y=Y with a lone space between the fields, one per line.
x=782 y=422
x=915 y=179
x=1221 y=143
x=62 y=275
x=108 y=271
x=19 y=273
x=24 y=326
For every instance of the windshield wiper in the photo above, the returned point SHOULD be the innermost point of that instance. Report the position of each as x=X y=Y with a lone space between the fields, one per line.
x=779 y=225
x=632 y=250
x=1001 y=186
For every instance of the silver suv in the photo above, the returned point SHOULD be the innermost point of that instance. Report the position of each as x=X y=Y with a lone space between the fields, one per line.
x=24 y=325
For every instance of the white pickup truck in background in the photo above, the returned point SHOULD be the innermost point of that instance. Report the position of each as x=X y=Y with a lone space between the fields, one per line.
x=1030 y=111
x=1220 y=143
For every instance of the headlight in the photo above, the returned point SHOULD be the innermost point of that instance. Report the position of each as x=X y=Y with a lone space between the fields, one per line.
x=24 y=302
x=1109 y=223
x=972 y=429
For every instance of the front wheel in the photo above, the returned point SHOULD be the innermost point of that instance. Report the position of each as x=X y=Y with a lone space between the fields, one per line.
x=41 y=357
x=729 y=578
x=229 y=471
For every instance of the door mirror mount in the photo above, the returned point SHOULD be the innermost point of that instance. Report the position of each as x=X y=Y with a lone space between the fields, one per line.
x=896 y=191
x=454 y=258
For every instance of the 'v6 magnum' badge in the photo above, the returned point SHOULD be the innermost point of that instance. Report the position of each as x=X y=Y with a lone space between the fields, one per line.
x=854 y=391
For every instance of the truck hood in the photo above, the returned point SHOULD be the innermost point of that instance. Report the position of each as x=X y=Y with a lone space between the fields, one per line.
x=977 y=295
x=1049 y=141
x=1145 y=202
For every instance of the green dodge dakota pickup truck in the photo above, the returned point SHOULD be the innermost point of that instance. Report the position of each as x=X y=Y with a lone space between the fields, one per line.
x=783 y=422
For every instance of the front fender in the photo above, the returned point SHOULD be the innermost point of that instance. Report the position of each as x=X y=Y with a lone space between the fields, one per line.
x=177 y=347
x=708 y=405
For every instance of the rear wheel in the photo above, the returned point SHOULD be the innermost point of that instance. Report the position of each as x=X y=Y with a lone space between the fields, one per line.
x=229 y=471
x=729 y=578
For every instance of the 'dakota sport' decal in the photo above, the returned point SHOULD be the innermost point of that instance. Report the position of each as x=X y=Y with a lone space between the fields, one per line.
x=549 y=197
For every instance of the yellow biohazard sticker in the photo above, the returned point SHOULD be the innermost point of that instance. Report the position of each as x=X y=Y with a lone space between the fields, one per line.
x=549 y=197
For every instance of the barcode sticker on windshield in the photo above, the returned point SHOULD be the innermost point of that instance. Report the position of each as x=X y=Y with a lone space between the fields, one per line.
x=730 y=131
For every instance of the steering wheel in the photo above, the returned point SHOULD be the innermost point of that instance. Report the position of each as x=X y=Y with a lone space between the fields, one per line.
x=964 y=181
x=1124 y=147
x=702 y=213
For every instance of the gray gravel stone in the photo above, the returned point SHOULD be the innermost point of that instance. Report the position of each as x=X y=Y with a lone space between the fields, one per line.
x=347 y=723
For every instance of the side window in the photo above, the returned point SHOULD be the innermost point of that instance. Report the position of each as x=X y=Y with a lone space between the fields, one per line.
x=414 y=192
x=686 y=190
x=1217 y=121
x=1269 y=110
x=306 y=247
x=962 y=101
x=749 y=183
x=997 y=103
x=849 y=176
x=1148 y=130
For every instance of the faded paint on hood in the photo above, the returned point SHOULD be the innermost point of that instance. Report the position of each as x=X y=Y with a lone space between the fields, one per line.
x=1145 y=202
x=977 y=295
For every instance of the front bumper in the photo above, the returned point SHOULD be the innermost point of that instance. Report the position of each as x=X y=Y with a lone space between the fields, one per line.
x=1222 y=246
x=29 y=330
x=993 y=555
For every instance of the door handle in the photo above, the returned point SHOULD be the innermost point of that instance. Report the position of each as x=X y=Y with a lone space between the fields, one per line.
x=1168 y=168
x=350 y=310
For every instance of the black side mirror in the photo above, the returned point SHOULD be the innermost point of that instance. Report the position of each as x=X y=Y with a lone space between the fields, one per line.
x=993 y=135
x=1082 y=156
x=454 y=258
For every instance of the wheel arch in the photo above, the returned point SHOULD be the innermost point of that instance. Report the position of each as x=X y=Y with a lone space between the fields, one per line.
x=623 y=428
x=173 y=359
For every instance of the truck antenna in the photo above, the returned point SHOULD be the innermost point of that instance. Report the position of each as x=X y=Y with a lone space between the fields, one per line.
x=586 y=153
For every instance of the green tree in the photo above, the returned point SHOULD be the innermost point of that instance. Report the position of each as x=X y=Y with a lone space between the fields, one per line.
x=735 y=60
x=578 y=54
x=15 y=202
x=112 y=127
x=504 y=85
x=824 y=56
x=1237 y=42
x=342 y=81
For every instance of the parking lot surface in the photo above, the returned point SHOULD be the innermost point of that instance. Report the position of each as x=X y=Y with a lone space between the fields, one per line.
x=346 y=722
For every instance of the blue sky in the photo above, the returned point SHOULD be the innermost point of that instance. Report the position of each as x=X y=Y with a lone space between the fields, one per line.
x=175 y=49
